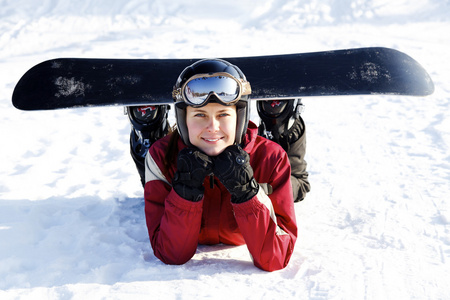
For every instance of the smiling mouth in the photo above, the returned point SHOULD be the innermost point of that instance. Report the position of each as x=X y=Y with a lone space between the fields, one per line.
x=212 y=140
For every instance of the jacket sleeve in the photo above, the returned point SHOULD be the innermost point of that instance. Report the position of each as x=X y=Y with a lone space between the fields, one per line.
x=173 y=223
x=267 y=222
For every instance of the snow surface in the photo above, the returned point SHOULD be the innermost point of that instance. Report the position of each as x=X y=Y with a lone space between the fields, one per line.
x=376 y=224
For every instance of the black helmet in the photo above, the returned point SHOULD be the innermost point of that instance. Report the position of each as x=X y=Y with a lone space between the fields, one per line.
x=217 y=69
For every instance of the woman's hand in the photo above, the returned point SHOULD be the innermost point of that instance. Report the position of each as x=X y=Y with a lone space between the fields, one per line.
x=192 y=167
x=233 y=169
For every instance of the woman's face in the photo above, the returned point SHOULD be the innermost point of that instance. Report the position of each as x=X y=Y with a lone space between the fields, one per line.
x=212 y=127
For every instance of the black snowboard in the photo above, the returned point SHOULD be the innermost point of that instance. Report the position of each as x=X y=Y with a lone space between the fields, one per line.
x=81 y=82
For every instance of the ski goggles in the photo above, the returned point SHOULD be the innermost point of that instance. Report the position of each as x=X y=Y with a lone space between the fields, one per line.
x=199 y=88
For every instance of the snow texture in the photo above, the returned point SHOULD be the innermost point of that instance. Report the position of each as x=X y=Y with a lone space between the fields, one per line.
x=376 y=224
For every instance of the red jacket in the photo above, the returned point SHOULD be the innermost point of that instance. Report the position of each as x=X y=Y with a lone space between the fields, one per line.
x=266 y=223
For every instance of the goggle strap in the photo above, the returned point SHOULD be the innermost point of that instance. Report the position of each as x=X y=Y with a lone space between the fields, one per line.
x=246 y=88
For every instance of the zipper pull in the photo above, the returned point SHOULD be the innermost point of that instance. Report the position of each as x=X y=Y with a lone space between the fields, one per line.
x=211 y=181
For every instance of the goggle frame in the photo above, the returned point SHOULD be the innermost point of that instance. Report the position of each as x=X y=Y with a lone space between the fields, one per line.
x=244 y=89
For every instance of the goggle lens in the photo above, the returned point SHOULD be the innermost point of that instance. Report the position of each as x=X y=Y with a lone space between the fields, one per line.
x=198 y=90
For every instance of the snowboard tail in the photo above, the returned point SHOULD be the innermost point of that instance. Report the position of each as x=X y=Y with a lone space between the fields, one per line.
x=82 y=82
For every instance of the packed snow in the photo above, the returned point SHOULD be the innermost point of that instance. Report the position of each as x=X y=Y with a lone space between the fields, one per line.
x=376 y=224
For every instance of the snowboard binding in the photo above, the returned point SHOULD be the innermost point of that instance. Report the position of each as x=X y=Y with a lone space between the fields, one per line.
x=148 y=124
x=280 y=121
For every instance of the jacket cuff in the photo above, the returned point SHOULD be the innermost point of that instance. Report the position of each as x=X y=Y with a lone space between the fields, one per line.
x=176 y=200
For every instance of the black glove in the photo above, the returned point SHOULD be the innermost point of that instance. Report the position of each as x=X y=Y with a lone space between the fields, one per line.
x=192 y=168
x=233 y=169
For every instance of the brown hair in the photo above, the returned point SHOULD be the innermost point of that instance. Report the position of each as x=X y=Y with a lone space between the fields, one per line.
x=172 y=149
